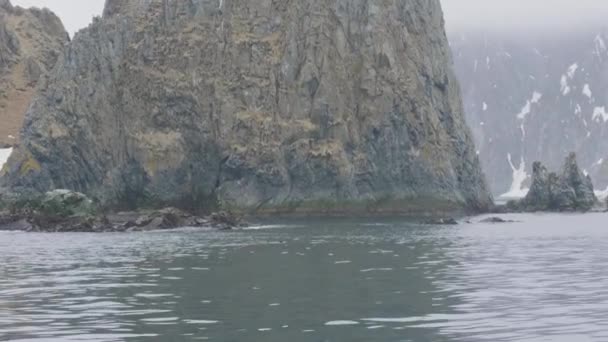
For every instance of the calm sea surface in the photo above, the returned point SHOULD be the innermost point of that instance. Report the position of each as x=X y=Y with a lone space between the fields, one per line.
x=543 y=279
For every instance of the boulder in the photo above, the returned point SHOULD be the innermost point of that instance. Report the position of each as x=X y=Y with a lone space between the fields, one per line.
x=495 y=220
x=66 y=203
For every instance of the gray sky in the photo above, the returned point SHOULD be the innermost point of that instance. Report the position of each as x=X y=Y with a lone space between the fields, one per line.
x=524 y=14
x=75 y=14
x=460 y=14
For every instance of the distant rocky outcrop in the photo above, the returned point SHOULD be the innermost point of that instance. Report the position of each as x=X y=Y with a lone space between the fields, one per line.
x=319 y=106
x=30 y=43
x=570 y=190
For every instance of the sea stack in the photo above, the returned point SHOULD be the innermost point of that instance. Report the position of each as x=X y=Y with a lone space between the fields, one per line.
x=571 y=190
x=298 y=107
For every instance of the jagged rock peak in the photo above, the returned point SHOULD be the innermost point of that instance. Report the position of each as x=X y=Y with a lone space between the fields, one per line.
x=570 y=190
x=309 y=106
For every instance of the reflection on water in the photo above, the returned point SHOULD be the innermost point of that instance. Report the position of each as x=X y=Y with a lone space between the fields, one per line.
x=544 y=279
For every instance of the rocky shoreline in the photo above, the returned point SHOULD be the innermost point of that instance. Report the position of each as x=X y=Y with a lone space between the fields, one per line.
x=63 y=211
x=571 y=190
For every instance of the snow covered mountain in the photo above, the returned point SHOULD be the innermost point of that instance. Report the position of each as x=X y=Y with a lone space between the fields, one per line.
x=535 y=97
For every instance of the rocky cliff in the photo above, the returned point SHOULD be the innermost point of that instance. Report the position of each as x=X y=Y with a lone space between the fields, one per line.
x=532 y=97
x=30 y=42
x=320 y=106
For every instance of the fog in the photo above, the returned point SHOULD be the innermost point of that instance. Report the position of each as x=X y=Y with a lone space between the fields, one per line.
x=524 y=15
x=509 y=15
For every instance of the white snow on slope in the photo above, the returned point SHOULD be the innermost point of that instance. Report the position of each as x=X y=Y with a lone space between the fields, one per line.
x=602 y=195
x=524 y=111
x=4 y=154
x=600 y=46
x=519 y=177
x=536 y=96
x=565 y=88
x=599 y=113
x=485 y=106
x=572 y=70
x=587 y=91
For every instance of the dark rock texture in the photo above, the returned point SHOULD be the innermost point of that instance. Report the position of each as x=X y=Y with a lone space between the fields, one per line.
x=535 y=96
x=320 y=106
x=67 y=211
x=495 y=220
x=571 y=190
x=30 y=43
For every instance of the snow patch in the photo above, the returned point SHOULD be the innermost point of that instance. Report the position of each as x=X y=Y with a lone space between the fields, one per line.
x=488 y=62
x=600 y=162
x=4 y=154
x=600 y=46
x=519 y=177
x=524 y=111
x=485 y=106
x=587 y=91
x=602 y=195
x=572 y=70
x=536 y=96
x=599 y=113
x=565 y=88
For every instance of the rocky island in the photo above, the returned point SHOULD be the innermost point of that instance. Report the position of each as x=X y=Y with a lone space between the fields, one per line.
x=570 y=190
x=317 y=107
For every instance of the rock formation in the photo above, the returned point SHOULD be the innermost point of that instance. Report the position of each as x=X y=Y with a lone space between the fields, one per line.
x=535 y=96
x=571 y=190
x=320 y=106
x=30 y=43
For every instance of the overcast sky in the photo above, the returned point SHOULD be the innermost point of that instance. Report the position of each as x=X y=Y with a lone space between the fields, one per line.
x=75 y=14
x=525 y=14
x=476 y=14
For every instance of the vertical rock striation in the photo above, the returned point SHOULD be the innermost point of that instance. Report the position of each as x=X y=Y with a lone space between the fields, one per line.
x=320 y=106
x=30 y=43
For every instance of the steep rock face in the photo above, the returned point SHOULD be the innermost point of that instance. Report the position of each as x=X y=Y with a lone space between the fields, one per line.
x=535 y=97
x=30 y=42
x=297 y=106
x=571 y=190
